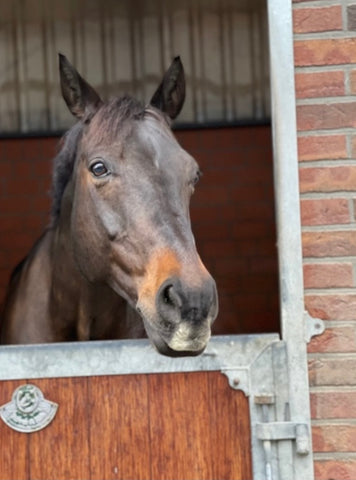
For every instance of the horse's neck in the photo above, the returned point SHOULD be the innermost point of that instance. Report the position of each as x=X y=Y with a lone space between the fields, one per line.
x=86 y=310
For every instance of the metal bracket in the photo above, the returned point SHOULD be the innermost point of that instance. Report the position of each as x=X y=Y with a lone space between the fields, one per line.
x=313 y=326
x=239 y=379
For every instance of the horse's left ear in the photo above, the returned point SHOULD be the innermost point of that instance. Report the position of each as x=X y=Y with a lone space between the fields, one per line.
x=81 y=99
x=169 y=96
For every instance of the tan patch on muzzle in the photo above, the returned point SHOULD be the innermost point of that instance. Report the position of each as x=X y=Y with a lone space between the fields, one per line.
x=162 y=265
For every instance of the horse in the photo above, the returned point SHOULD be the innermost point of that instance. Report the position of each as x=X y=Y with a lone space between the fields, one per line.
x=118 y=258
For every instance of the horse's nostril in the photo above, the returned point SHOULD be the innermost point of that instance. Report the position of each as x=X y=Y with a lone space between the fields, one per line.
x=166 y=294
x=170 y=296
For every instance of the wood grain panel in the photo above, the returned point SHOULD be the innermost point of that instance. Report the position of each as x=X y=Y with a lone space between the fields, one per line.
x=61 y=450
x=195 y=433
x=229 y=430
x=14 y=462
x=179 y=424
x=119 y=428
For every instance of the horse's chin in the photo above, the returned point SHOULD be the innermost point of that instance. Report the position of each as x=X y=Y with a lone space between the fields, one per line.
x=165 y=347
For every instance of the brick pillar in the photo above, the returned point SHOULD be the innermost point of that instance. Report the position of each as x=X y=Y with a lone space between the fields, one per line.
x=325 y=73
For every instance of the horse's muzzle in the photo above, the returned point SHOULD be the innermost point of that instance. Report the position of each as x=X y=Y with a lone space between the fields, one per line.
x=184 y=317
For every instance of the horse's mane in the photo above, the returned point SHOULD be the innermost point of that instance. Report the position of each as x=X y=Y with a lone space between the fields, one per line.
x=109 y=120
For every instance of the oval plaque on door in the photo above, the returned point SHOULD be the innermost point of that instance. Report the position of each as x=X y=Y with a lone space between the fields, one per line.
x=28 y=410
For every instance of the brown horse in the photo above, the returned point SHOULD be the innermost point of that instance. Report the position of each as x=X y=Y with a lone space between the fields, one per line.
x=119 y=255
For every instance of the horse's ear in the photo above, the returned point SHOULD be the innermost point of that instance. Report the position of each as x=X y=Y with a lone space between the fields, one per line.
x=169 y=96
x=81 y=99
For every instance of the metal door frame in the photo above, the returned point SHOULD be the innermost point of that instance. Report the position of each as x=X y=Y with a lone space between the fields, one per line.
x=296 y=326
x=100 y=358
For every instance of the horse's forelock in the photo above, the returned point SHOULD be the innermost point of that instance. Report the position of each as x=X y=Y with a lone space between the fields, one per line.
x=114 y=118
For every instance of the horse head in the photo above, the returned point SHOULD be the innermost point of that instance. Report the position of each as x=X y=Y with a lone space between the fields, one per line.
x=128 y=201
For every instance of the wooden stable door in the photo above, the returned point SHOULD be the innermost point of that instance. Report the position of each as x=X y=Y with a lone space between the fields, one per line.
x=169 y=426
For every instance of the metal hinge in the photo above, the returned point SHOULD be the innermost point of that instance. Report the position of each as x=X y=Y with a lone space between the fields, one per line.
x=274 y=431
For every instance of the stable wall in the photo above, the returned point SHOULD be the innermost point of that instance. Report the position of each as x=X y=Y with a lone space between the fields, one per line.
x=232 y=215
x=325 y=57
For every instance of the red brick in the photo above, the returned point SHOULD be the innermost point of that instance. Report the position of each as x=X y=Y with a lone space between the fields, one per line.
x=331 y=306
x=23 y=186
x=329 y=244
x=319 y=19
x=319 y=84
x=252 y=211
x=48 y=148
x=218 y=232
x=212 y=215
x=353 y=145
x=325 y=211
x=353 y=81
x=320 y=147
x=15 y=204
x=334 y=340
x=254 y=229
x=232 y=265
x=326 y=116
x=326 y=371
x=326 y=51
x=333 y=404
x=328 y=275
x=334 y=438
x=263 y=264
x=211 y=195
x=12 y=150
x=343 y=469
x=41 y=203
x=327 y=179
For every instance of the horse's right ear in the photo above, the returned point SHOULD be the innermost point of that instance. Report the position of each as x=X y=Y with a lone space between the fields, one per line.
x=81 y=99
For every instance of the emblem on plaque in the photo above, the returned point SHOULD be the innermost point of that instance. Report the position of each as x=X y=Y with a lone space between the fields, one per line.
x=28 y=410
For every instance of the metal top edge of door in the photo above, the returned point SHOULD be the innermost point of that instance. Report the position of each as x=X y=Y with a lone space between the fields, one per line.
x=120 y=357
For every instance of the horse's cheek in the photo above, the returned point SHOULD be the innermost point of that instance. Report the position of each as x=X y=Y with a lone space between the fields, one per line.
x=89 y=244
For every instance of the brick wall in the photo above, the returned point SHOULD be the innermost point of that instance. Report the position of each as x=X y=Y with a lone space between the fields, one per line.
x=325 y=60
x=232 y=216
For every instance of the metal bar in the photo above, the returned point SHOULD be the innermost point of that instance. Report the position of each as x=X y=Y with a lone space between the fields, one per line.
x=288 y=214
x=82 y=37
x=161 y=37
x=203 y=81
x=232 y=79
x=192 y=55
x=133 y=47
x=121 y=357
x=253 y=84
x=16 y=65
x=262 y=47
x=142 y=58
x=104 y=61
x=222 y=45
x=47 y=94
x=73 y=39
x=23 y=67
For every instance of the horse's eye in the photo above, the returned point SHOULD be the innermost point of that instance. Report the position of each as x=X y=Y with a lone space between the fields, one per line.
x=197 y=177
x=98 y=169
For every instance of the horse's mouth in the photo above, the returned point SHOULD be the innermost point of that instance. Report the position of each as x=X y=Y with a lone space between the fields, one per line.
x=164 y=349
x=171 y=348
